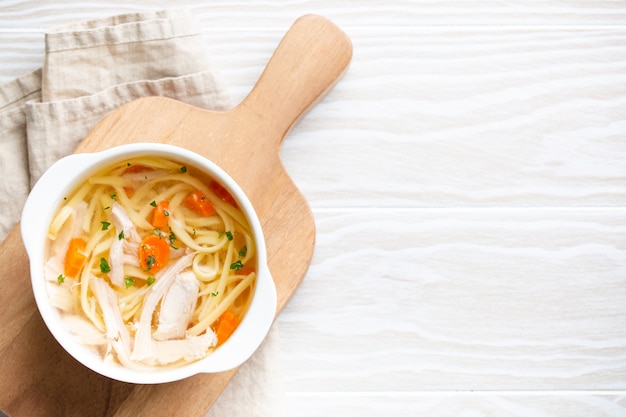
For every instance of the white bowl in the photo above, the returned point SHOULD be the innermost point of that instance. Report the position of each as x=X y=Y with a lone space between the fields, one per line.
x=42 y=204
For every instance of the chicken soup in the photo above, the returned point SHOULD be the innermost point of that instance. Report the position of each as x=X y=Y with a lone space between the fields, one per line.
x=150 y=263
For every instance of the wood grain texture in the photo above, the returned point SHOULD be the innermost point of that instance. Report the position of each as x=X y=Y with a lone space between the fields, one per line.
x=451 y=404
x=470 y=118
x=458 y=299
x=245 y=142
x=475 y=152
x=254 y=13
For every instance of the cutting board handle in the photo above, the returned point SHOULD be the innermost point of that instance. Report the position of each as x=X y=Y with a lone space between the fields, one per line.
x=309 y=60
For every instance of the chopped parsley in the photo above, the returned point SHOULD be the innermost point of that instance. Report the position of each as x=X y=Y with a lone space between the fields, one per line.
x=172 y=239
x=236 y=265
x=153 y=203
x=121 y=235
x=114 y=196
x=243 y=251
x=214 y=294
x=129 y=282
x=150 y=281
x=150 y=260
x=183 y=169
x=105 y=225
x=60 y=279
x=104 y=266
x=229 y=235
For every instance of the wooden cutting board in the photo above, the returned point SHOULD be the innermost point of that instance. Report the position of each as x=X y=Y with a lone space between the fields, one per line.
x=38 y=377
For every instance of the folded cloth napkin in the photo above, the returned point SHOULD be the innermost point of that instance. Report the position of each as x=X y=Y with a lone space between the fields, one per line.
x=89 y=69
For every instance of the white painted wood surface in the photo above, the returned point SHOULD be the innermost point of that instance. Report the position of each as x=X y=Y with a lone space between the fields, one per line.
x=468 y=178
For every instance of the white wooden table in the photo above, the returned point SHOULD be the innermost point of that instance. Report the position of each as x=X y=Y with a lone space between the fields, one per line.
x=468 y=179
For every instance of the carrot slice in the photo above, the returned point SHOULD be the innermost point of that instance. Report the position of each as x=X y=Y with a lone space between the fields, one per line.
x=246 y=270
x=132 y=169
x=160 y=214
x=74 y=257
x=130 y=191
x=199 y=203
x=222 y=193
x=226 y=325
x=154 y=252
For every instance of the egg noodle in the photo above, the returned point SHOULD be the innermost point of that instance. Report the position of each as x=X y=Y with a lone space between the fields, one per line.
x=113 y=214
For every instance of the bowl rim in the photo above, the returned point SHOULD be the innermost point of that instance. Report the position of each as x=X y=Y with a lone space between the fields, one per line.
x=41 y=205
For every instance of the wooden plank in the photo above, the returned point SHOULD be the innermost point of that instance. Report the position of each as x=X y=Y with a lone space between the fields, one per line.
x=474 y=118
x=460 y=299
x=455 y=404
x=246 y=14
x=246 y=143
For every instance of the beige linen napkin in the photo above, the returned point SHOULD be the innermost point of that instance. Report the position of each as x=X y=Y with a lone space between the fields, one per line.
x=90 y=68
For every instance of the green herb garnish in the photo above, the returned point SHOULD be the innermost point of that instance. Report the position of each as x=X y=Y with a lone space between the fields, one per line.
x=172 y=238
x=105 y=225
x=229 y=235
x=243 y=251
x=236 y=265
x=104 y=266
x=60 y=279
x=150 y=281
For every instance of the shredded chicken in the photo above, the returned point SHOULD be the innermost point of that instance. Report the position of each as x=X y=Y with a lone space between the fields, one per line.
x=151 y=351
x=177 y=307
x=117 y=333
x=83 y=330
x=189 y=349
x=122 y=250
x=165 y=278
x=60 y=295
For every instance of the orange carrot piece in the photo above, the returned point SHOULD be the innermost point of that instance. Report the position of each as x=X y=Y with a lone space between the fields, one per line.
x=160 y=214
x=131 y=169
x=154 y=252
x=226 y=325
x=74 y=257
x=222 y=193
x=199 y=203
x=130 y=192
x=246 y=270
